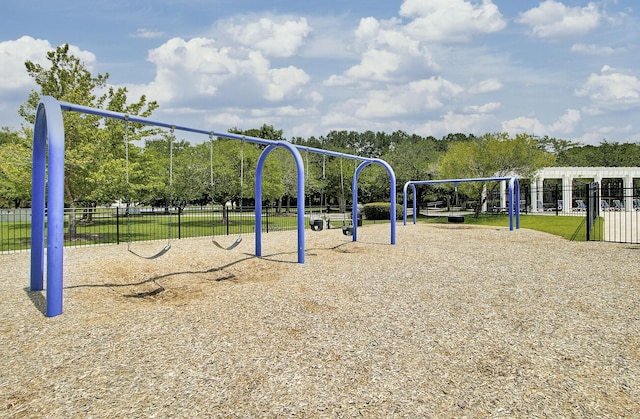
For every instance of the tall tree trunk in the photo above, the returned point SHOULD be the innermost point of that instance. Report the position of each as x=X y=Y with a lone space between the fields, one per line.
x=72 y=225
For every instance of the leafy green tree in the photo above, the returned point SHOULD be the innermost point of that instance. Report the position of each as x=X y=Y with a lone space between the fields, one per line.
x=91 y=154
x=272 y=180
x=151 y=179
x=414 y=158
x=556 y=146
x=15 y=168
x=616 y=154
x=289 y=177
x=492 y=155
x=607 y=154
x=267 y=132
x=191 y=175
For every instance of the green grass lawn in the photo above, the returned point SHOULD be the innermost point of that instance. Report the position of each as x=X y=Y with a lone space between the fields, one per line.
x=109 y=229
x=102 y=230
x=569 y=227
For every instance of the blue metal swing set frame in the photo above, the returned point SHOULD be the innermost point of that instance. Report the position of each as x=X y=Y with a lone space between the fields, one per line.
x=48 y=178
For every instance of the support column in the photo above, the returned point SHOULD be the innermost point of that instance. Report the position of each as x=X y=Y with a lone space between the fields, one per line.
x=503 y=194
x=484 y=200
x=627 y=187
x=533 y=195
x=567 y=184
x=540 y=196
x=598 y=178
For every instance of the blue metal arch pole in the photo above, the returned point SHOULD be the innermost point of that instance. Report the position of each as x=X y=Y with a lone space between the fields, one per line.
x=300 y=191
x=49 y=125
x=392 y=197
x=404 y=201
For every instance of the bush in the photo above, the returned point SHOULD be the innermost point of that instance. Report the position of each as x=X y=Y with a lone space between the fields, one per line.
x=381 y=211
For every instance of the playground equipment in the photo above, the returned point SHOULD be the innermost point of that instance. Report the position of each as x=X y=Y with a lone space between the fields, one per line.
x=347 y=230
x=167 y=247
x=48 y=153
x=513 y=196
x=315 y=221
x=239 y=239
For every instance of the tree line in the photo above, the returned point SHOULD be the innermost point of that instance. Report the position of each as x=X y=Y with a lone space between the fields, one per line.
x=166 y=170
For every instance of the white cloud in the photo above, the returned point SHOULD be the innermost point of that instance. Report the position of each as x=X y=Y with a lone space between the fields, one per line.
x=610 y=91
x=273 y=37
x=147 y=34
x=13 y=55
x=387 y=54
x=486 y=108
x=386 y=34
x=595 y=135
x=198 y=70
x=552 y=19
x=453 y=122
x=486 y=86
x=565 y=124
x=451 y=20
x=524 y=125
x=410 y=99
x=227 y=119
x=281 y=82
x=593 y=49
x=376 y=65
x=283 y=111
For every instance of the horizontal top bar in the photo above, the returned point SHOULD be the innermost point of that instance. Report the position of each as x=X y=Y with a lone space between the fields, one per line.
x=66 y=106
x=485 y=179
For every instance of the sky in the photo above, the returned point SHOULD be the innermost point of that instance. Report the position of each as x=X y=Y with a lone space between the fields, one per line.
x=566 y=69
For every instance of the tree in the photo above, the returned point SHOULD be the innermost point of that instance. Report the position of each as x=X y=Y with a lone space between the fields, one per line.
x=492 y=155
x=267 y=132
x=414 y=158
x=607 y=154
x=92 y=149
x=191 y=174
x=272 y=179
x=556 y=146
x=15 y=168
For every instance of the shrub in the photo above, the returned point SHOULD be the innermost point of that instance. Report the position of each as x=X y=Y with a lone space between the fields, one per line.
x=380 y=211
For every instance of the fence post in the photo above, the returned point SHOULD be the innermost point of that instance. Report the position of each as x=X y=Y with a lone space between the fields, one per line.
x=593 y=208
x=179 y=225
x=117 y=225
x=556 y=199
x=226 y=213
x=587 y=188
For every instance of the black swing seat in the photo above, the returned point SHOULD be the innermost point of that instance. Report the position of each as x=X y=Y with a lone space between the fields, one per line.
x=316 y=225
x=347 y=230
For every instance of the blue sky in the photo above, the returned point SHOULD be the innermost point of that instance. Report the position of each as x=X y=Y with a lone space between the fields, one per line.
x=567 y=69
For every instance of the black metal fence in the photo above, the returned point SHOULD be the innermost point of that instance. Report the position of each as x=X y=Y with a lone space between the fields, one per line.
x=611 y=214
x=99 y=226
x=611 y=211
x=619 y=210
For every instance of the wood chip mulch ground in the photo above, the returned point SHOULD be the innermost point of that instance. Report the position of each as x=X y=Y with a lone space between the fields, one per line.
x=452 y=321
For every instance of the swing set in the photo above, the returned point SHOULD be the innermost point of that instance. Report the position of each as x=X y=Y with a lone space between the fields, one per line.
x=316 y=222
x=513 y=195
x=167 y=247
x=48 y=182
x=239 y=239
